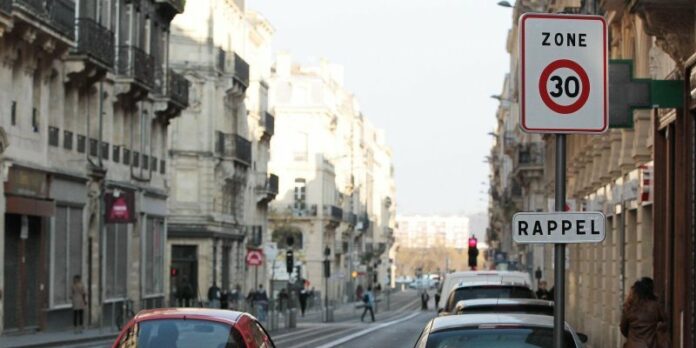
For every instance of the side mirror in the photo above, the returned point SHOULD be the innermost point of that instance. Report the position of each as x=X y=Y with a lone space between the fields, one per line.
x=583 y=338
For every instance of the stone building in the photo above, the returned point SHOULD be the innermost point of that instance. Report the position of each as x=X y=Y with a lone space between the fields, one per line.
x=641 y=175
x=220 y=184
x=86 y=98
x=337 y=189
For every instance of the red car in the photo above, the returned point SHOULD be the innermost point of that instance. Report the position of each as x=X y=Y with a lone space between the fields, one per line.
x=195 y=328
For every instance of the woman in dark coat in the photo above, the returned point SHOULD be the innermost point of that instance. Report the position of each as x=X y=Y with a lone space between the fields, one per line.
x=643 y=318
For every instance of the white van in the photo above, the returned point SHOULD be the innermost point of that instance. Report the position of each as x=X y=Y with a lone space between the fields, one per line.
x=455 y=278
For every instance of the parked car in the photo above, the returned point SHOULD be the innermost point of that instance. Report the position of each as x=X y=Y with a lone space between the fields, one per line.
x=505 y=305
x=455 y=278
x=485 y=290
x=495 y=331
x=193 y=327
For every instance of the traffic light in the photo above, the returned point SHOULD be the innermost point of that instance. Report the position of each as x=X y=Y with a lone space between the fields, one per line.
x=173 y=272
x=289 y=261
x=473 y=253
x=327 y=268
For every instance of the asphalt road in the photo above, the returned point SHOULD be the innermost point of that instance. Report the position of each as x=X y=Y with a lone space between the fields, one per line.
x=399 y=327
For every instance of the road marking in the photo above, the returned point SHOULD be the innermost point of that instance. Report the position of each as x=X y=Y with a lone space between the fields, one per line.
x=366 y=331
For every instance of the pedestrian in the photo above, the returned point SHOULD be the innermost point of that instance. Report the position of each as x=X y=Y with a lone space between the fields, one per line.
x=214 y=296
x=184 y=292
x=359 y=293
x=79 y=302
x=260 y=302
x=369 y=301
x=643 y=321
x=304 y=294
x=235 y=296
x=424 y=300
x=224 y=299
x=542 y=293
x=437 y=300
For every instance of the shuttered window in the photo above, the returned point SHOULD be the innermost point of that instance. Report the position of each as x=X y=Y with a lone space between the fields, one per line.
x=66 y=253
x=153 y=250
x=116 y=262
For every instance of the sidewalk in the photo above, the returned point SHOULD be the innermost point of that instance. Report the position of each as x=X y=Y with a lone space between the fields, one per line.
x=56 y=339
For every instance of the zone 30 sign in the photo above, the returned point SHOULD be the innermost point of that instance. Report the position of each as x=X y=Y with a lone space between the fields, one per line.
x=564 y=73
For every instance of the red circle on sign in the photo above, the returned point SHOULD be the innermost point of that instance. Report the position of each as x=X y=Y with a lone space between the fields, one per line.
x=584 y=79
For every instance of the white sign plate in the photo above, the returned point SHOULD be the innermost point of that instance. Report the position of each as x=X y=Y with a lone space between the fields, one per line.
x=559 y=227
x=563 y=68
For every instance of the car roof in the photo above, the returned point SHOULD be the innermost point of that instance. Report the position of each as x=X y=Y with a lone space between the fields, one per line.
x=490 y=282
x=468 y=320
x=230 y=317
x=504 y=301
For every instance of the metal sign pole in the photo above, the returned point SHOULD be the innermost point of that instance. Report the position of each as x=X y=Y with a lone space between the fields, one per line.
x=559 y=249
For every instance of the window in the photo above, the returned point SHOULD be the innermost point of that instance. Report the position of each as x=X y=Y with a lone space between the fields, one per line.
x=13 y=113
x=181 y=333
x=116 y=260
x=154 y=256
x=233 y=199
x=300 y=196
x=35 y=120
x=66 y=253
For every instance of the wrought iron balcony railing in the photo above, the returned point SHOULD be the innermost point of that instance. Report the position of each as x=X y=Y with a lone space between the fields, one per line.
x=172 y=86
x=6 y=6
x=233 y=145
x=269 y=123
x=95 y=40
x=241 y=70
x=134 y=63
x=531 y=155
x=58 y=14
x=176 y=5
x=272 y=184
x=333 y=212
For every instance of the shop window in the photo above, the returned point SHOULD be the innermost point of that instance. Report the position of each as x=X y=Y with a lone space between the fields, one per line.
x=66 y=253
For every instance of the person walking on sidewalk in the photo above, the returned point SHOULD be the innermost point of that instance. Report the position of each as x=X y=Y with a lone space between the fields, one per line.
x=214 y=296
x=79 y=302
x=369 y=301
x=304 y=294
x=643 y=321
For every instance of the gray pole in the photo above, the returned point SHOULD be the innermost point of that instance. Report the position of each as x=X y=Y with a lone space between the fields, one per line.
x=559 y=249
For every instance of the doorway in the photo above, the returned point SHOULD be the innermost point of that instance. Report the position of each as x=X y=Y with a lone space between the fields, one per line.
x=185 y=262
x=23 y=271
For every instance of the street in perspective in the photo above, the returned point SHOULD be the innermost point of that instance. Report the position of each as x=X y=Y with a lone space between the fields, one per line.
x=364 y=174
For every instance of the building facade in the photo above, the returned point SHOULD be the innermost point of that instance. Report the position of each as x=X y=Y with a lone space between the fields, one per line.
x=337 y=190
x=425 y=231
x=641 y=175
x=86 y=99
x=220 y=185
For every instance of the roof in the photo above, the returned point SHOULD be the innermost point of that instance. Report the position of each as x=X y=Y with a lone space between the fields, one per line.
x=230 y=317
x=504 y=301
x=468 y=320
x=489 y=282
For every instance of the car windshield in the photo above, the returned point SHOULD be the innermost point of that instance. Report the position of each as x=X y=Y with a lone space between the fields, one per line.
x=508 y=308
x=487 y=291
x=516 y=337
x=181 y=333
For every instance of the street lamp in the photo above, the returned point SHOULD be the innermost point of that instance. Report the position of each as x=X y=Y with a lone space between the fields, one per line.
x=327 y=274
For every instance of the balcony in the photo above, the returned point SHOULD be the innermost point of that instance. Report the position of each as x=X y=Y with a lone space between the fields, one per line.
x=172 y=90
x=268 y=125
x=350 y=218
x=267 y=191
x=233 y=146
x=530 y=161
x=333 y=212
x=56 y=15
x=363 y=223
x=95 y=42
x=173 y=6
x=133 y=64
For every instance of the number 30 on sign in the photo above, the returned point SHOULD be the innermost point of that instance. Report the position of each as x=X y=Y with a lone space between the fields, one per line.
x=563 y=68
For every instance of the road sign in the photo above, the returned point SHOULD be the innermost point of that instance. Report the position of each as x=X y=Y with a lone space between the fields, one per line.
x=254 y=257
x=563 y=74
x=559 y=227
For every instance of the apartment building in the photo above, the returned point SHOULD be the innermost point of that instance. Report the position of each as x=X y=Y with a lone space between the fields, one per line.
x=86 y=96
x=220 y=145
x=337 y=192
x=640 y=174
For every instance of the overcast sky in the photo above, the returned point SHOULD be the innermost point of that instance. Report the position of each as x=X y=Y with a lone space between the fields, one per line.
x=424 y=71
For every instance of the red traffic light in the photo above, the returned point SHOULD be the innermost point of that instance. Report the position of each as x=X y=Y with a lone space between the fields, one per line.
x=473 y=242
x=173 y=272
